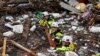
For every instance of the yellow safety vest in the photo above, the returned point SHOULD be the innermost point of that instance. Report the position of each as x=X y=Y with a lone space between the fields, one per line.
x=59 y=34
x=63 y=48
x=72 y=46
x=50 y=22
x=43 y=22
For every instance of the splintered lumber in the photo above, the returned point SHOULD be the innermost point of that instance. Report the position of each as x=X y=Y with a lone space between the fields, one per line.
x=22 y=47
x=4 y=47
x=51 y=42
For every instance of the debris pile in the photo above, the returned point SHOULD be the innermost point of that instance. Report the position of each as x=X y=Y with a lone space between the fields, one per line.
x=50 y=28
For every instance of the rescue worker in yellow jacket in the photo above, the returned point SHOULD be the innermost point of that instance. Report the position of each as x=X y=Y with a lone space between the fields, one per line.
x=67 y=44
x=43 y=22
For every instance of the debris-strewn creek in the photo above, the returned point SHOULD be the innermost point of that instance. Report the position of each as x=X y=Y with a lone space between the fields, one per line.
x=50 y=28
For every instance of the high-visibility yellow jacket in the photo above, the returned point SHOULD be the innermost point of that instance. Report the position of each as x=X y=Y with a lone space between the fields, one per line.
x=50 y=22
x=58 y=34
x=72 y=46
x=43 y=22
x=63 y=48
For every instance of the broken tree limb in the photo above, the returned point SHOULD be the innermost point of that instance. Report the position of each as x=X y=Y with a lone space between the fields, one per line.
x=4 y=47
x=22 y=47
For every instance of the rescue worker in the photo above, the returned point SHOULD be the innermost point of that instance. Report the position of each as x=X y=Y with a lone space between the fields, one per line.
x=67 y=44
x=50 y=21
x=43 y=21
x=64 y=47
x=57 y=37
x=69 y=38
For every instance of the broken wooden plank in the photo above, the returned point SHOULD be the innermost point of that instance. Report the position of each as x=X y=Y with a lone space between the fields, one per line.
x=4 y=47
x=22 y=47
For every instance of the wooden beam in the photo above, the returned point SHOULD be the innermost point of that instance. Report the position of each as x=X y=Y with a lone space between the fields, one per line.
x=22 y=47
x=4 y=47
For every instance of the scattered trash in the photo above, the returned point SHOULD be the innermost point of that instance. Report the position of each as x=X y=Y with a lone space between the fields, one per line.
x=18 y=28
x=94 y=29
x=40 y=54
x=70 y=8
x=53 y=28
x=70 y=53
x=33 y=28
x=8 y=34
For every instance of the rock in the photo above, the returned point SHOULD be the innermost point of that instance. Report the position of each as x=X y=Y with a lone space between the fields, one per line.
x=33 y=28
x=8 y=33
x=18 y=28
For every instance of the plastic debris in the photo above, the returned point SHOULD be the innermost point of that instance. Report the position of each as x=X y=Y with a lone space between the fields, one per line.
x=67 y=37
x=8 y=33
x=55 y=24
x=70 y=8
x=25 y=16
x=8 y=25
x=55 y=15
x=70 y=53
x=18 y=28
x=40 y=54
x=45 y=13
x=33 y=28
x=94 y=29
x=9 y=18
x=74 y=27
x=73 y=2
